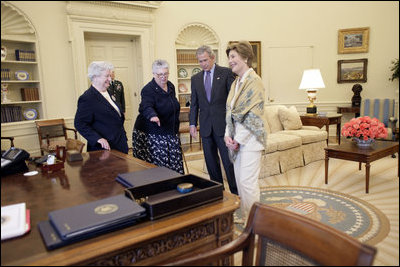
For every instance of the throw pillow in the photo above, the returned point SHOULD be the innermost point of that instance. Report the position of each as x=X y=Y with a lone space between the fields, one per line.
x=290 y=118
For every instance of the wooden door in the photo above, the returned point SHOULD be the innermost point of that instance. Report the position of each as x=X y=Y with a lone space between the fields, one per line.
x=121 y=51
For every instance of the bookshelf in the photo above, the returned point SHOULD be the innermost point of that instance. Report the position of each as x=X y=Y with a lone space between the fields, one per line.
x=21 y=98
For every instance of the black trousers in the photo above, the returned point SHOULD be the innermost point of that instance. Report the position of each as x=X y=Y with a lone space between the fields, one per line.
x=211 y=145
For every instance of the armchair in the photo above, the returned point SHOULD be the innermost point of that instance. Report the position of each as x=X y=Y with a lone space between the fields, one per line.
x=277 y=237
x=382 y=109
x=53 y=133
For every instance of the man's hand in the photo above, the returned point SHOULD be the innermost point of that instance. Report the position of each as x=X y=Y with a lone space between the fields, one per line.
x=193 y=131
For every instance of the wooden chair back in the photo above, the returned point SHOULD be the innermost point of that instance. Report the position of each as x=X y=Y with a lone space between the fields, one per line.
x=54 y=132
x=184 y=126
x=277 y=237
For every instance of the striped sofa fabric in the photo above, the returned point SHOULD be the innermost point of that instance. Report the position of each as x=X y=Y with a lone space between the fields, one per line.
x=382 y=109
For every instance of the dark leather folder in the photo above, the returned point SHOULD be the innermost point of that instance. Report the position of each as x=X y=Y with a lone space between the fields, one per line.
x=149 y=176
x=96 y=216
x=52 y=239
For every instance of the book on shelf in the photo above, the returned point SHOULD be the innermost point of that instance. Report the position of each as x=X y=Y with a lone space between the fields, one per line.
x=29 y=94
x=11 y=113
x=24 y=55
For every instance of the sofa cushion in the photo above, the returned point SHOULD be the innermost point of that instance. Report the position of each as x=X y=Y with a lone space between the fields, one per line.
x=308 y=136
x=281 y=142
x=289 y=118
x=272 y=117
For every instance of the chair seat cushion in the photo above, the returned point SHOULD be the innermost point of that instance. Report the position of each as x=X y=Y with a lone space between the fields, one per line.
x=69 y=144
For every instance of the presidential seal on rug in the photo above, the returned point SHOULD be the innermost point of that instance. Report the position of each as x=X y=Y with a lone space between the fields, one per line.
x=348 y=214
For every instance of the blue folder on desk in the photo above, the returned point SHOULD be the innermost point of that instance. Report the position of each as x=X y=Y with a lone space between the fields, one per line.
x=140 y=178
x=87 y=220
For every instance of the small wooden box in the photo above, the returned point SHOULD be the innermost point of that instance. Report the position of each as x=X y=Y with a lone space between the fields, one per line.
x=58 y=165
x=162 y=198
x=74 y=155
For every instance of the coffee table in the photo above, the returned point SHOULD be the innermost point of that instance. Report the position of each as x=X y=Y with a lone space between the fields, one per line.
x=350 y=151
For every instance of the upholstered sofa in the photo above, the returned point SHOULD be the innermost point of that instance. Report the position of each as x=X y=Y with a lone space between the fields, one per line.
x=289 y=143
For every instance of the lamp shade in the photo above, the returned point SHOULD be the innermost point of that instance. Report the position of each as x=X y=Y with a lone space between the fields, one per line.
x=312 y=79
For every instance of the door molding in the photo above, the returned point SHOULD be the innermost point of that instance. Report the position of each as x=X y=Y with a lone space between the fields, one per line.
x=123 y=19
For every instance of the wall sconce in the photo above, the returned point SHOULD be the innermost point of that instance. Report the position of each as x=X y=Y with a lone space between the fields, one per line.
x=311 y=82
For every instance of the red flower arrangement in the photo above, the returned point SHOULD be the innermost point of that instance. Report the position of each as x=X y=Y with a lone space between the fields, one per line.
x=364 y=128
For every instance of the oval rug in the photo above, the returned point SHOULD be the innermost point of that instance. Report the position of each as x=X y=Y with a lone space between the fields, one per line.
x=348 y=214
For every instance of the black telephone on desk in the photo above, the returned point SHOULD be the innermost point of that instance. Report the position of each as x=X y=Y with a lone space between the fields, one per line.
x=13 y=161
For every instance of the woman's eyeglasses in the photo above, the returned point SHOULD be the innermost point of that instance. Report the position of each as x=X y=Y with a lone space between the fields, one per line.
x=159 y=75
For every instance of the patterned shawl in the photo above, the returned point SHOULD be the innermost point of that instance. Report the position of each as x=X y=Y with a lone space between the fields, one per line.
x=248 y=109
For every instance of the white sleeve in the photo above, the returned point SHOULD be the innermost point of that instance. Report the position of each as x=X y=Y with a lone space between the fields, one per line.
x=242 y=135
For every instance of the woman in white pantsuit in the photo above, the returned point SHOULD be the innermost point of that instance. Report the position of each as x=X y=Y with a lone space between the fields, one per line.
x=245 y=135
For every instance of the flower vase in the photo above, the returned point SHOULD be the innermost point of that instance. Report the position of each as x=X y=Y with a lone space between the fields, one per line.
x=364 y=143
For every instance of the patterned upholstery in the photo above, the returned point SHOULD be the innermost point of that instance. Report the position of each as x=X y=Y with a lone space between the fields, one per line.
x=382 y=109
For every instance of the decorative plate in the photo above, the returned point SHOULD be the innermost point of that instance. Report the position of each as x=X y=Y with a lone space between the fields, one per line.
x=30 y=114
x=21 y=75
x=182 y=73
x=182 y=88
x=195 y=71
x=3 y=53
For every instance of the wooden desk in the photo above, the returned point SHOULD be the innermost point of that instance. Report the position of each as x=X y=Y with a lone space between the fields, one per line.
x=350 y=151
x=146 y=243
x=319 y=121
x=355 y=110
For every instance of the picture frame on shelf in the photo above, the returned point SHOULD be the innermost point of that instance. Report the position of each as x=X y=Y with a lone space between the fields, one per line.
x=256 y=64
x=354 y=40
x=353 y=70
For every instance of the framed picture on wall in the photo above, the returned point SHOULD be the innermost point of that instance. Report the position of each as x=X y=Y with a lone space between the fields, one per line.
x=256 y=65
x=353 y=40
x=353 y=70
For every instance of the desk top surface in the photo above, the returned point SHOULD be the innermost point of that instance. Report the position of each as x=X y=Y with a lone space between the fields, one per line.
x=81 y=182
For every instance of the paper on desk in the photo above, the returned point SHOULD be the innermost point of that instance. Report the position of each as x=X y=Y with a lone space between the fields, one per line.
x=13 y=220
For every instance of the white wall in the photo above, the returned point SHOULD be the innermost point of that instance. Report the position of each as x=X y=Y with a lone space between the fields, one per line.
x=275 y=24
x=288 y=24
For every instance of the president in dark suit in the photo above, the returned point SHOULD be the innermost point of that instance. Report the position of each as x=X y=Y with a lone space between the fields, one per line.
x=98 y=118
x=210 y=89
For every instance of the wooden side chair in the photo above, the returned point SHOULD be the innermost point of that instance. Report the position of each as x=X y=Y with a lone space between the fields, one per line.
x=278 y=237
x=184 y=126
x=53 y=133
x=9 y=138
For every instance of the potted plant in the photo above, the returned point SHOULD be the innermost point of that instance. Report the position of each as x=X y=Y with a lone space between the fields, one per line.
x=395 y=69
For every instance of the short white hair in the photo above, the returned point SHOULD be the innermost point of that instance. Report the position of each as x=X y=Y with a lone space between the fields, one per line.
x=97 y=67
x=159 y=64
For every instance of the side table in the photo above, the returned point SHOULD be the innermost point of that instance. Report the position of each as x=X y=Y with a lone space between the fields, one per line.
x=355 y=110
x=319 y=121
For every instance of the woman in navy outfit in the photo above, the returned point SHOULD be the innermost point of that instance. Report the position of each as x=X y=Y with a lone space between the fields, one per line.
x=155 y=135
x=99 y=118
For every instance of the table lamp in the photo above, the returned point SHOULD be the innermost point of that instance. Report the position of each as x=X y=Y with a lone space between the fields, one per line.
x=311 y=82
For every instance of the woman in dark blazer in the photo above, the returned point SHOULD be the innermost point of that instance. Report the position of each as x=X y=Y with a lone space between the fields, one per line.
x=98 y=118
x=155 y=135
